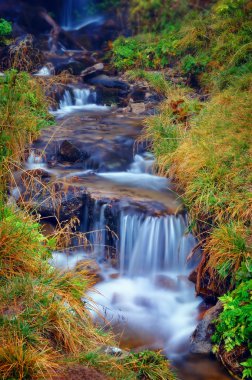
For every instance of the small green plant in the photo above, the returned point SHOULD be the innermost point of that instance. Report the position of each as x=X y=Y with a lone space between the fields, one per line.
x=234 y=326
x=150 y=365
x=5 y=31
x=5 y=28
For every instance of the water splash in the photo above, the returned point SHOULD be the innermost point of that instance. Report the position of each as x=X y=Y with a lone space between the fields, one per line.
x=43 y=72
x=152 y=297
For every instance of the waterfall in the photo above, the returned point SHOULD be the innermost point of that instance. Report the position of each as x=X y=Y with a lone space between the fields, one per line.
x=74 y=15
x=67 y=14
x=151 y=298
x=153 y=244
x=97 y=237
x=77 y=99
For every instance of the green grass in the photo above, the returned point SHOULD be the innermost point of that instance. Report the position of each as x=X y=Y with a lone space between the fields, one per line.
x=23 y=113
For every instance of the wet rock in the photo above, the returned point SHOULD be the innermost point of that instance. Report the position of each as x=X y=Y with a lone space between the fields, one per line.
x=114 y=351
x=91 y=267
x=57 y=200
x=193 y=276
x=114 y=276
x=138 y=108
x=201 y=338
x=106 y=81
x=138 y=93
x=36 y=173
x=92 y=71
x=165 y=282
x=74 y=62
x=69 y=152
x=47 y=228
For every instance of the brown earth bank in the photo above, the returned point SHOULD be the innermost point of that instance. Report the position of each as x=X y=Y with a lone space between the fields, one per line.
x=78 y=372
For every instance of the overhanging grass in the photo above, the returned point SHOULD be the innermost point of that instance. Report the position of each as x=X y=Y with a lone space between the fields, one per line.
x=206 y=149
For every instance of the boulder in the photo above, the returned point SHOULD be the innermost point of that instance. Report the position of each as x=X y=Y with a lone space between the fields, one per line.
x=92 y=71
x=110 y=82
x=138 y=108
x=69 y=152
x=56 y=200
x=138 y=93
x=201 y=338
x=114 y=351
x=166 y=282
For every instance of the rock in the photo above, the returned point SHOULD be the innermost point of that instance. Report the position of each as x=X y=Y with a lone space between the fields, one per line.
x=106 y=81
x=166 y=282
x=139 y=93
x=114 y=351
x=201 y=338
x=91 y=267
x=69 y=152
x=36 y=173
x=138 y=108
x=92 y=71
x=114 y=276
x=47 y=228
x=74 y=62
x=193 y=276
x=57 y=200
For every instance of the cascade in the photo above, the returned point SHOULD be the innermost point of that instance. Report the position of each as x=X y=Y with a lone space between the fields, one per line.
x=67 y=14
x=77 y=99
x=151 y=298
x=153 y=244
x=74 y=17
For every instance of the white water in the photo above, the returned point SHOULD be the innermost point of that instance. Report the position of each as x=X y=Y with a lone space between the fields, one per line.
x=44 y=72
x=138 y=175
x=152 y=299
x=74 y=17
x=149 y=245
x=152 y=296
x=35 y=161
x=77 y=100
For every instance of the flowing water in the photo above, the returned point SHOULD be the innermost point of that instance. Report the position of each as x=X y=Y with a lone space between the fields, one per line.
x=138 y=234
x=77 y=99
x=73 y=16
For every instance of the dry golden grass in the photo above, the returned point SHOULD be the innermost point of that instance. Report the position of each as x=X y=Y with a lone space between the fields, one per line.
x=206 y=148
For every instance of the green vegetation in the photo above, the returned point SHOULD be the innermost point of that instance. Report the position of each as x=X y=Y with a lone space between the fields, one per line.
x=234 y=327
x=5 y=30
x=213 y=46
x=23 y=112
x=205 y=146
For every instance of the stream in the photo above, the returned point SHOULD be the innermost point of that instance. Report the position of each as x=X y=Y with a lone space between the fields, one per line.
x=137 y=230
